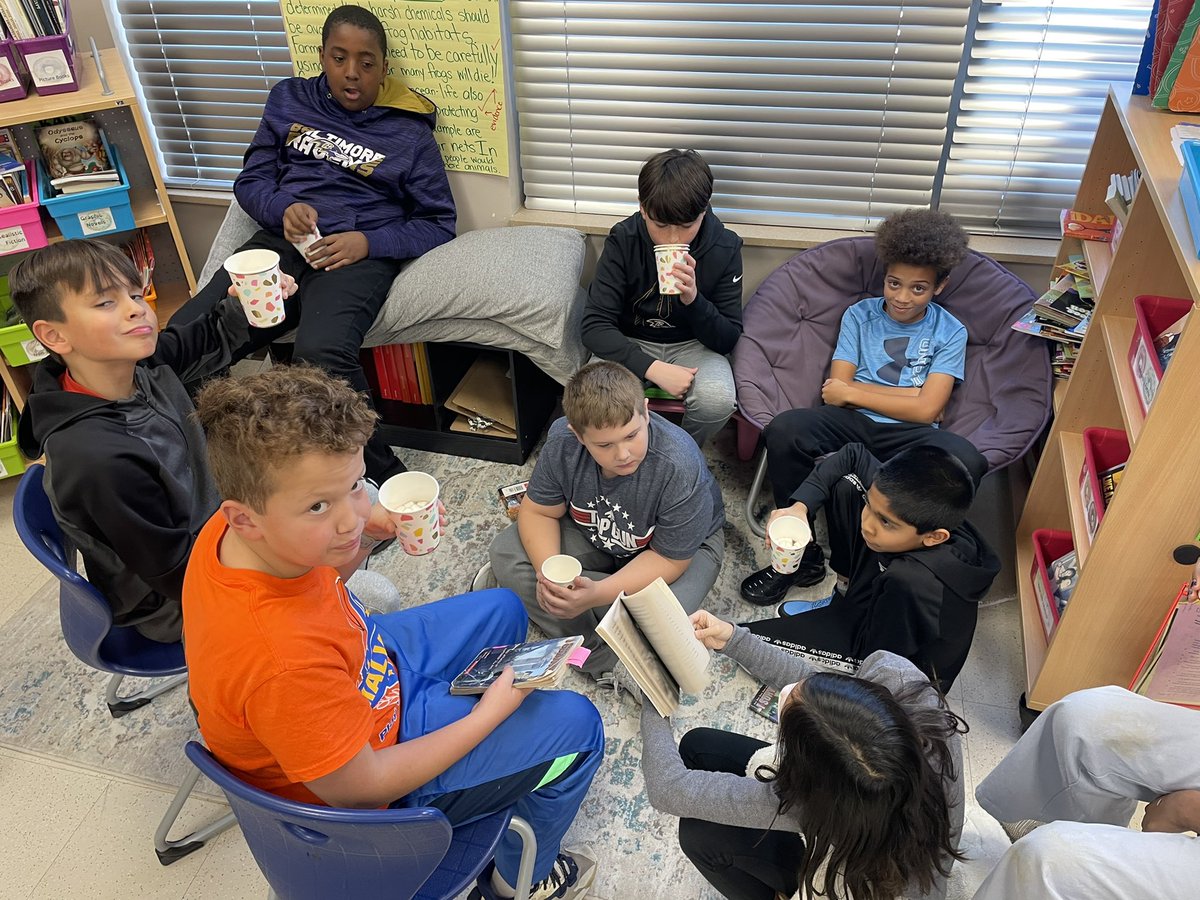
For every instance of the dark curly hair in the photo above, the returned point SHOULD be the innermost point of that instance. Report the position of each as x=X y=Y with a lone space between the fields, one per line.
x=864 y=771
x=922 y=237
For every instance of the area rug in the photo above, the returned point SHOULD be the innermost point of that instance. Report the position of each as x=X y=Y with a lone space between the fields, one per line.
x=52 y=704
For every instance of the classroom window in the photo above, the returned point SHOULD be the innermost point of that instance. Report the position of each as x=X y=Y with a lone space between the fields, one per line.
x=827 y=115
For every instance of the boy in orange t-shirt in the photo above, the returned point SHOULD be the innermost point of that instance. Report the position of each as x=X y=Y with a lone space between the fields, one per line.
x=299 y=693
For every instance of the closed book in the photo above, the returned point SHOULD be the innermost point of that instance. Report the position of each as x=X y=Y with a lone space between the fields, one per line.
x=387 y=373
x=536 y=664
x=1170 y=670
x=1162 y=96
x=1141 y=79
x=412 y=386
x=424 y=375
x=1172 y=14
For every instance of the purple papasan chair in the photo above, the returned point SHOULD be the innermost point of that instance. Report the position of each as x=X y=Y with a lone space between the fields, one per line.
x=790 y=327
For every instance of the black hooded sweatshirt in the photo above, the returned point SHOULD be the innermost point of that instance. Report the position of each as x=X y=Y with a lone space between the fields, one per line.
x=624 y=302
x=128 y=479
x=921 y=604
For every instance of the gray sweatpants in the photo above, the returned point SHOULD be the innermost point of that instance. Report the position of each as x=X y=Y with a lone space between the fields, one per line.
x=512 y=569
x=712 y=398
x=1082 y=767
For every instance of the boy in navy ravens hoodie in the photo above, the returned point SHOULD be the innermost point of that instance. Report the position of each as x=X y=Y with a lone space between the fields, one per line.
x=348 y=155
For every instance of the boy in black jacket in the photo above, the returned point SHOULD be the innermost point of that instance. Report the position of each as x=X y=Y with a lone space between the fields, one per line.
x=911 y=571
x=125 y=462
x=679 y=342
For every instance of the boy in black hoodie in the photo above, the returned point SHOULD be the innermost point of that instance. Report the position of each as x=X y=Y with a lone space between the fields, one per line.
x=125 y=463
x=911 y=571
x=679 y=342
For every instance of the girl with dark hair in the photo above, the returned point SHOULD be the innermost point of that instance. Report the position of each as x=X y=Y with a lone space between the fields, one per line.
x=860 y=798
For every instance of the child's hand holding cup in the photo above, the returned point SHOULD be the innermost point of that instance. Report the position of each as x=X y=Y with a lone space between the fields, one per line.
x=665 y=258
x=788 y=536
x=411 y=499
x=561 y=569
x=259 y=284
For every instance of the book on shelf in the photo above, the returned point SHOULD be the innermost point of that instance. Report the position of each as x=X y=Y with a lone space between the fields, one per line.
x=1087 y=226
x=1167 y=339
x=1170 y=670
x=141 y=251
x=72 y=149
x=653 y=637
x=1109 y=479
x=79 y=184
x=14 y=188
x=1171 y=17
x=16 y=20
x=1031 y=324
x=408 y=374
x=1063 y=304
x=1177 y=63
x=535 y=664
x=1183 y=131
x=10 y=153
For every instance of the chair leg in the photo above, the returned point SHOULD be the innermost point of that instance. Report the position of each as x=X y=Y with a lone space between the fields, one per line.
x=528 y=854
x=760 y=475
x=169 y=851
x=119 y=706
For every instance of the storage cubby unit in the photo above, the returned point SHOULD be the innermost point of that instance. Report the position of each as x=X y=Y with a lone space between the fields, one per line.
x=1127 y=578
x=534 y=396
x=117 y=111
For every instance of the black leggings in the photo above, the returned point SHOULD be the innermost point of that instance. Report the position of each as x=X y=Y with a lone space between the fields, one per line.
x=741 y=863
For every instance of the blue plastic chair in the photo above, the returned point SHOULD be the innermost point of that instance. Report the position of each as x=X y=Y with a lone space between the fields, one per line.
x=87 y=626
x=310 y=852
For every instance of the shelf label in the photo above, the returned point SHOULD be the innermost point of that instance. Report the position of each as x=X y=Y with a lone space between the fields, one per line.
x=34 y=350
x=13 y=239
x=1044 y=600
x=1144 y=376
x=97 y=221
x=3 y=471
x=49 y=68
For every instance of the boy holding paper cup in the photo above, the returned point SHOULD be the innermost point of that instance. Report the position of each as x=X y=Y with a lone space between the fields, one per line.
x=625 y=493
x=666 y=300
x=345 y=166
x=125 y=468
x=911 y=571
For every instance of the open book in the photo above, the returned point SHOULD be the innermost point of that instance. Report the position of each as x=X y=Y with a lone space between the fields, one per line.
x=536 y=664
x=653 y=637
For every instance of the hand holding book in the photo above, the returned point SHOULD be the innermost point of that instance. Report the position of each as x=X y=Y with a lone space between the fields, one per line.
x=712 y=632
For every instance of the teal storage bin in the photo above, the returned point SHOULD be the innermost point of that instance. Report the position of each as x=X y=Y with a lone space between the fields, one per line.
x=1189 y=190
x=91 y=213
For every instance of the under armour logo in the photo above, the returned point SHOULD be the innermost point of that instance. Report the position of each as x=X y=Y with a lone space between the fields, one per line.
x=897 y=351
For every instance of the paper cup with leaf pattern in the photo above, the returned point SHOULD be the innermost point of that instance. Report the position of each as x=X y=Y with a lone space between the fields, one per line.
x=789 y=535
x=665 y=257
x=259 y=285
x=411 y=499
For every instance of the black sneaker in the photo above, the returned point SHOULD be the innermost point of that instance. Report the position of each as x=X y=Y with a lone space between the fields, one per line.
x=766 y=587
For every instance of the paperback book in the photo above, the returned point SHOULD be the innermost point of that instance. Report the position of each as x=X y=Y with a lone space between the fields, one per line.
x=73 y=149
x=653 y=637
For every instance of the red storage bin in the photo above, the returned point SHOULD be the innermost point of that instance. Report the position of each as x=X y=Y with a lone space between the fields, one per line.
x=1154 y=315
x=1103 y=448
x=1048 y=545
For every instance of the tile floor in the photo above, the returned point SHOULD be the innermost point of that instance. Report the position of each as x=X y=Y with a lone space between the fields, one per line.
x=75 y=832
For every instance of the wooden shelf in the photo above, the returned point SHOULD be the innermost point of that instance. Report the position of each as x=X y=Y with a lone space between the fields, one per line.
x=1099 y=261
x=1118 y=335
x=1072 y=465
x=89 y=98
x=1126 y=575
x=1059 y=393
x=171 y=296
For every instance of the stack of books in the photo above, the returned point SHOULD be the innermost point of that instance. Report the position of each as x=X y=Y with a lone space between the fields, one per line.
x=141 y=251
x=1119 y=197
x=25 y=19
x=14 y=190
x=1063 y=313
x=76 y=157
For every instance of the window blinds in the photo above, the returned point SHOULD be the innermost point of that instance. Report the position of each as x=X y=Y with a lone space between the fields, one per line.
x=1037 y=79
x=204 y=69
x=829 y=114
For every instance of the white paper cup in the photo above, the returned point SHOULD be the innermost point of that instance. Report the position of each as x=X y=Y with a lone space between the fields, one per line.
x=788 y=535
x=562 y=569
x=259 y=285
x=665 y=257
x=411 y=499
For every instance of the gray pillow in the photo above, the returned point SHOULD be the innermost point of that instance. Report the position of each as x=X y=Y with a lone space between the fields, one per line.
x=523 y=277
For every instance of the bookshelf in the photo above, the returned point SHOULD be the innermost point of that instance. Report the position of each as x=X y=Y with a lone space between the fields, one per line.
x=120 y=114
x=1127 y=579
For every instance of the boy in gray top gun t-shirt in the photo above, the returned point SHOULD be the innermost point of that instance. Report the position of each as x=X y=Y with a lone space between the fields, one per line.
x=625 y=492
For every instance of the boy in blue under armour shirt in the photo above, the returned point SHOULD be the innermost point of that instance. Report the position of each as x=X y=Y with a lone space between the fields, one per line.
x=898 y=358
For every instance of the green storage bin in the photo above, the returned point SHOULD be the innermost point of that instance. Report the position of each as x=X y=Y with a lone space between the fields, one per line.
x=17 y=342
x=11 y=461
